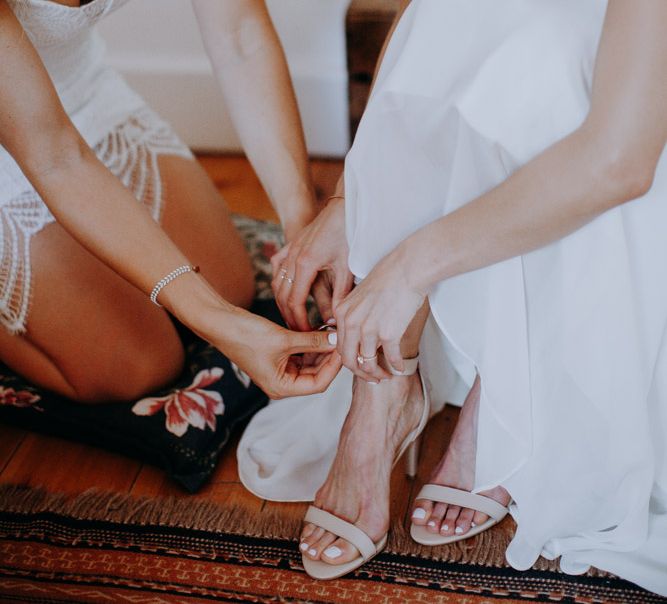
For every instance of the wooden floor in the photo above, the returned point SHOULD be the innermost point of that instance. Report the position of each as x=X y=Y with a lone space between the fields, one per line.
x=62 y=466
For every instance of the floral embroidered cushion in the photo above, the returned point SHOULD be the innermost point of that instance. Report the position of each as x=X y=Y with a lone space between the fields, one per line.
x=182 y=428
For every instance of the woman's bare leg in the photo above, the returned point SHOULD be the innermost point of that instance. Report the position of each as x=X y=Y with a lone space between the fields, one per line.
x=92 y=336
x=457 y=469
x=357 y=488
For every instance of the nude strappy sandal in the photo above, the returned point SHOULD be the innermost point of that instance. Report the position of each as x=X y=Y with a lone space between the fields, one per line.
x=465 y=499
x=368 y=549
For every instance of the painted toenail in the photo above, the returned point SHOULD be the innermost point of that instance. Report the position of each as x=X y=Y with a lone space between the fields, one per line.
x=473 y=524
x=419 y=513
x=312 y=552
x=332 y=552
x=445 y=527
x=303 y=547
x=458 y=530
x=431 y=523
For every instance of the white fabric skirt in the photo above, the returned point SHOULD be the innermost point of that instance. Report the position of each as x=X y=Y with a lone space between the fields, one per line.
x=570 y=341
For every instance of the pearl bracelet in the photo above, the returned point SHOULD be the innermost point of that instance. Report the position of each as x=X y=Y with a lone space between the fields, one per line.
x=181 y=270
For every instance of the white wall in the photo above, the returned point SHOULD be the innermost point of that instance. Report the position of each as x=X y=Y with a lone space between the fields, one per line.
x=156 y=45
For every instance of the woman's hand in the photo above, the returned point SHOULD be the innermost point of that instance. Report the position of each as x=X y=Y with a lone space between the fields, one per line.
x=376 y=314
x=315 y=260
x=269 y=354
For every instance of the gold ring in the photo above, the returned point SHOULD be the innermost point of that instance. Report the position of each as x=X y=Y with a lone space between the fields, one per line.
x=361 y=359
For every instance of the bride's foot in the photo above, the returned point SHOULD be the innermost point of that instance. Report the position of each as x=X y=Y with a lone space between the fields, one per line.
x=457 y=469
x=357 y=487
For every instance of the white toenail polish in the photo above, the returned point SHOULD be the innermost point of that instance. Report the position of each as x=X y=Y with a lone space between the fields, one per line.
x=303 y=547
x=332 y=552
x=333 y=338
x=458 y=530
x=419 y=513
x=445 y=527
x=473 y=524
x=312 y=552
x=431 y=523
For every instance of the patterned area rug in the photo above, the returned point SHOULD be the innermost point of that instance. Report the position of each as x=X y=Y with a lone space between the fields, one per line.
x=111 y=548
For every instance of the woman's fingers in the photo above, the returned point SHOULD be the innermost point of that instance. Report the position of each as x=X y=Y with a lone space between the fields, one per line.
x=292 y=281
x=348 y=344
x=298 y=294
x=278 y=258
x=276 y=262
x=368 y=360
x=311 y=341
x=308 y=383
x=285 y=278
x=321 y=291
x=349 y=347
x=343 y=283
x=295 y=376
x=392 y=352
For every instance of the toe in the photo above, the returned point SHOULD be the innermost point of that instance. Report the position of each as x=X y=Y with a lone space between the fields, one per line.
x=339 y=552
x=307 y=545
x=448 y=526
x=422 y=511
x=479 y=518
x=464 y=521
x=438 y=513
x=321 y=545
x=307 y=531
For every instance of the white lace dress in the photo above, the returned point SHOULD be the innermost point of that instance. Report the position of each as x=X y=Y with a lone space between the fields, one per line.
x=570 y=340
x=125 y=133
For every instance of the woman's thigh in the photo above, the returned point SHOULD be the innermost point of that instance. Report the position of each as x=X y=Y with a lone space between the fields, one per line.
x=91 y=335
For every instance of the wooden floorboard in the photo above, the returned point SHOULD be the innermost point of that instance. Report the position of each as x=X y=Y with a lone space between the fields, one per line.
x=10 y=439
x=62 y=466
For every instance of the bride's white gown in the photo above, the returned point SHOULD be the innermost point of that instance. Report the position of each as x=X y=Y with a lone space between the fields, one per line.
x=570 y=340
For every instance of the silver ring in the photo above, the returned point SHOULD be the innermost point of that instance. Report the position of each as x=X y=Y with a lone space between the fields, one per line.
x=361 y=359
x=289 y=279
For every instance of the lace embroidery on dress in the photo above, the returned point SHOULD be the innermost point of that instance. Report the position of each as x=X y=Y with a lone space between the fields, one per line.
x=130 y=152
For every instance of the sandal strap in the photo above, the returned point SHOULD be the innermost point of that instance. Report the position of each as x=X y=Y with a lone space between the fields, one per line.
x=465 y=499
x=410 y=365
x=342 y=528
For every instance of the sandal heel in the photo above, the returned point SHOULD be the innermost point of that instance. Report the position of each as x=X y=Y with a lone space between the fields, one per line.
x=412 y=458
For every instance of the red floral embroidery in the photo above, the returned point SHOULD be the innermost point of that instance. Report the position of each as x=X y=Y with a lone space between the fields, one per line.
x=20 y=398
x=191 y=406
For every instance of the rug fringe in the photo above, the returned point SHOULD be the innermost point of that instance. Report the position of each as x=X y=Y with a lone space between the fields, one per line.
x=168 y=511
